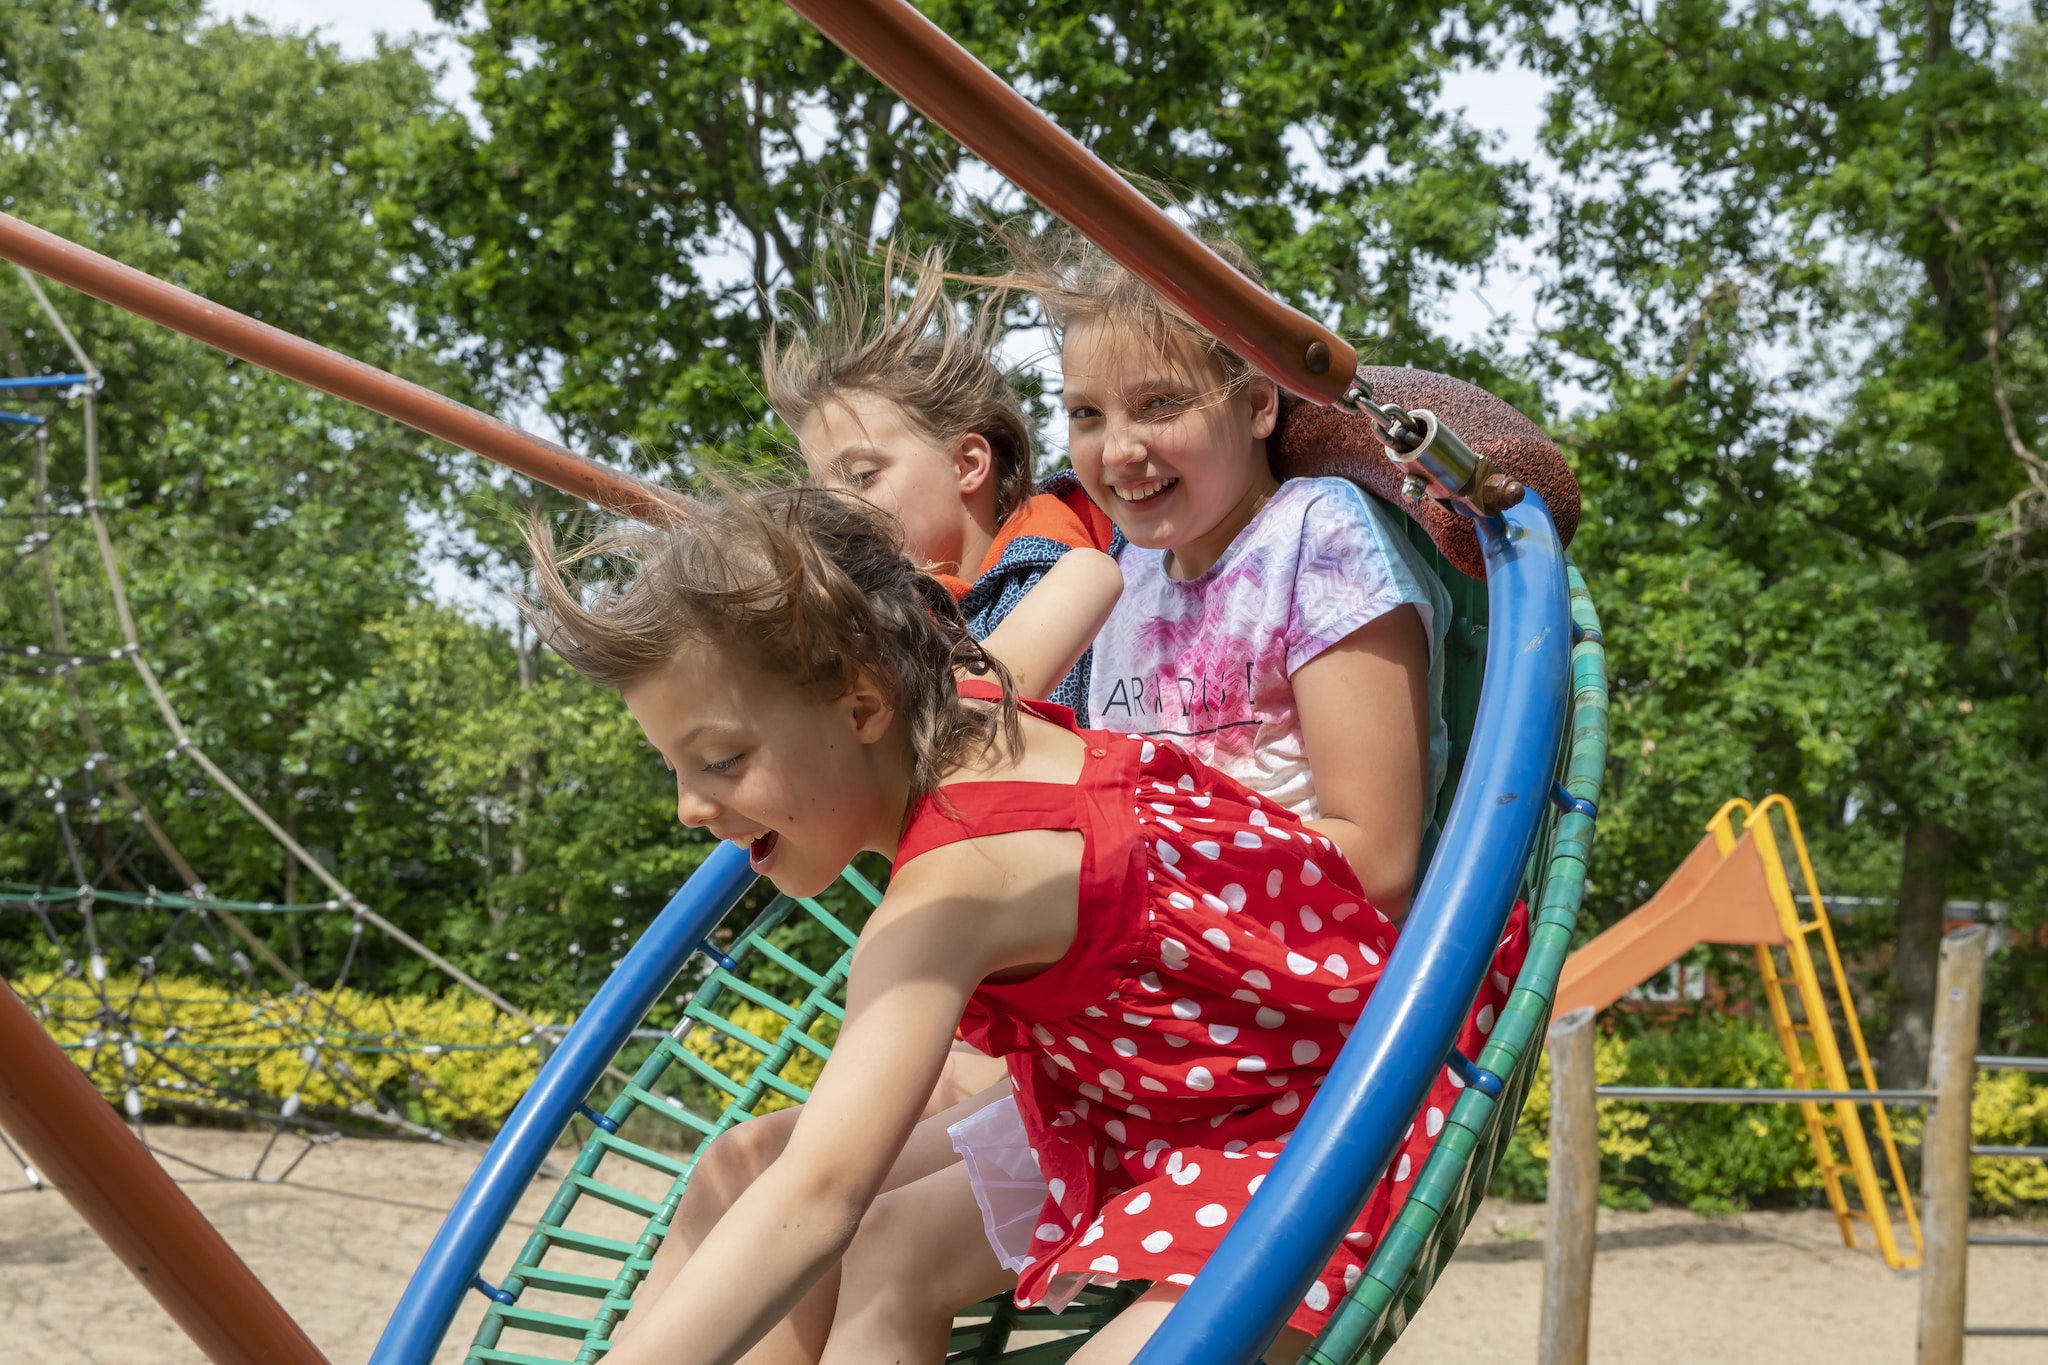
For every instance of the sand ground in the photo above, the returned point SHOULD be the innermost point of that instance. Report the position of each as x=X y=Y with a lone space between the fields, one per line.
x=338 y=1240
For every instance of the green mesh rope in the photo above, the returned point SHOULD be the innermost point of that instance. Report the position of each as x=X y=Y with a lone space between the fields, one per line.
x=575 y=1278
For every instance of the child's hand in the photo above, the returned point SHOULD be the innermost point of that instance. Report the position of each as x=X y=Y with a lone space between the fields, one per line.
x=1046 y=634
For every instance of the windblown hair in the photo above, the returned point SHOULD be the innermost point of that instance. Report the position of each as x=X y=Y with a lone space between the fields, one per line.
x=929 y=360
x=810 y=585
x=1078 y=285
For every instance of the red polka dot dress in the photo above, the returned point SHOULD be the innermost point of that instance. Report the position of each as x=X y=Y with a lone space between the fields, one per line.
x=1223 y=953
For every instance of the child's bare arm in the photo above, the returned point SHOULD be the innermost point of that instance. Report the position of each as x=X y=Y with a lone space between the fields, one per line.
x=1046 y=634
x=1364 y=706
x=919 y=958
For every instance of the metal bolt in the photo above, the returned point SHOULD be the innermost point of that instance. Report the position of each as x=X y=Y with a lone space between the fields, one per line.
x=1414 y=487
x=1316 y=360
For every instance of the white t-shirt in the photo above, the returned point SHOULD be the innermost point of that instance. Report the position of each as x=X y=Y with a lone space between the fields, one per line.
x=1208 y=661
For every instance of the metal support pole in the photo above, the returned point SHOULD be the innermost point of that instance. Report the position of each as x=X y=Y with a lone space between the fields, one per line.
x=332 y=372
x=1574 y=1202
x=1945 y=1177
x=79 y=1144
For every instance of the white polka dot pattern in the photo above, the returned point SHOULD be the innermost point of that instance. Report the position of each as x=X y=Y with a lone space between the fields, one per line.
x=1248 y=962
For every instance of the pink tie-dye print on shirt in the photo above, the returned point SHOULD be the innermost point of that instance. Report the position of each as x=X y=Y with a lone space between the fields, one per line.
x=1208 y=662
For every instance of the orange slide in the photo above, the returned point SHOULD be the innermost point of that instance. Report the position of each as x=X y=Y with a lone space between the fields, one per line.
x=1737 y=889
x=1709 y=899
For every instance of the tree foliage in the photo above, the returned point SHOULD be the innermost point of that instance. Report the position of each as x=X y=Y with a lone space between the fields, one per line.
x=1801 y=254
x=269 y=540
x=653 y=174
x=1798 y=256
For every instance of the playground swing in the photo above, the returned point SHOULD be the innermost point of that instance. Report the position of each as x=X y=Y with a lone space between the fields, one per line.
x=1527 y=702
x=542 y=1297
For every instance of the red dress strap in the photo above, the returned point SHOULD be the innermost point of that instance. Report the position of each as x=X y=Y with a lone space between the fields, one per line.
x=981 y=689
x=970 y=810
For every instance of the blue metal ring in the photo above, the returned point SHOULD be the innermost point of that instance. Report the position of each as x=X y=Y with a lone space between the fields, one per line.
x=428 y=1305
x=603 y=1121
x=1275 y=1249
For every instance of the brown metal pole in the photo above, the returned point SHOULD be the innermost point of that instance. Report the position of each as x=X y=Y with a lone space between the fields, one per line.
x=915 y=57
x=74 y=1139
x=329 y=371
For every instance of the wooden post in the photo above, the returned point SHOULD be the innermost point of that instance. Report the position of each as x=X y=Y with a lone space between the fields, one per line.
x=1574 y=1202
x=1945 y=1158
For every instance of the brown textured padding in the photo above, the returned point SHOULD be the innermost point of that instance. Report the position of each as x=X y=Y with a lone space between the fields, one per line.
x=1315 y=441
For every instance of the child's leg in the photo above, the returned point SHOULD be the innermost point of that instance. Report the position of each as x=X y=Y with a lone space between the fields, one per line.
x=1119 y=1342
x=921 y=1256
x=739 y=1156
x=733 y=1161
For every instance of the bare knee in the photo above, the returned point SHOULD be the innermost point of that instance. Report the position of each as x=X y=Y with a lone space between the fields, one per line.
x=890 y=1254
x=734 y=1160
x=967 y=1072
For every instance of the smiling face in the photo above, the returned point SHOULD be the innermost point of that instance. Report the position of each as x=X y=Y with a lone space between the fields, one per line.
x=805 y=782
x=1177 y=465
x=865 y=444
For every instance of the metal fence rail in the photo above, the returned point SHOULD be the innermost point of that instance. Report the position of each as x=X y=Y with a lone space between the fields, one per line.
x=1948 y=1151
x=1686 y=1094
x=2012 y=1063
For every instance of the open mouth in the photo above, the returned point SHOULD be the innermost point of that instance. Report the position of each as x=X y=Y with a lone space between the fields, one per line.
x=1146 y=491
x=761 y=851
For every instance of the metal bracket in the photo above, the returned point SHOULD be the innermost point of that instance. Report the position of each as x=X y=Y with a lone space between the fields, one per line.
x=1572 y=805
x=1436 y=459
x=1475 y=1075
x=492 y=1292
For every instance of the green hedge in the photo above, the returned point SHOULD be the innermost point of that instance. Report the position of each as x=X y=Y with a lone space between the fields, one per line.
x=1718 y=1158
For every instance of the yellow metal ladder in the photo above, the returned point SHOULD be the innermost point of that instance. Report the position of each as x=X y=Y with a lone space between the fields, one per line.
x=1806 y=1030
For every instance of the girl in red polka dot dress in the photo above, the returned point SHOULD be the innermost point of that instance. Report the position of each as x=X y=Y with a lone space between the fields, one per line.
x=1168 y=962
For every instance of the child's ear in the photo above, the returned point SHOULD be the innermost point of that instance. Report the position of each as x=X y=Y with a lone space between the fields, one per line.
x=867 y=705
x=974 y=463
x=1264 y=397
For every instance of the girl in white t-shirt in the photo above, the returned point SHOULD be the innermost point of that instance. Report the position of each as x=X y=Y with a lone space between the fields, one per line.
x=1287 y=634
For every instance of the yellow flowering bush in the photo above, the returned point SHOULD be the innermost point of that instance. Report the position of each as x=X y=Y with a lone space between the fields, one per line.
x=444 y=1061
x=2009 y=1109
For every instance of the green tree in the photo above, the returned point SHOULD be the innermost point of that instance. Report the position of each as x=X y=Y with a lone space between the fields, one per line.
x=653 y=172
x=1801 y=253
x=267 y=533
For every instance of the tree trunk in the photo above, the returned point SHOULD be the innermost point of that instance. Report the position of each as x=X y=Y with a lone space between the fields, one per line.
x=1916 y=955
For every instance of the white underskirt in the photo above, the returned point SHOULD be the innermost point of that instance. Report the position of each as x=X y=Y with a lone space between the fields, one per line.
x=1011 y=1191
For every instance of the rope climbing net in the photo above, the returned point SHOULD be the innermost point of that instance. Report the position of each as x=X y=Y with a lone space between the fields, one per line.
x=171 y=999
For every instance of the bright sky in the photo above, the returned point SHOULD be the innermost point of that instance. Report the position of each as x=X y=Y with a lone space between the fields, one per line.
x=355 y=24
